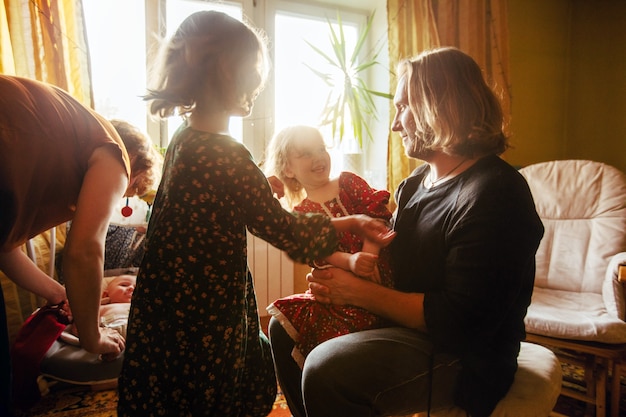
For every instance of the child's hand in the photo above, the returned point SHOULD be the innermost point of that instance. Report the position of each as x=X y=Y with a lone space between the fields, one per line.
x=278 y=188
x=374 y=230
x=363 y=264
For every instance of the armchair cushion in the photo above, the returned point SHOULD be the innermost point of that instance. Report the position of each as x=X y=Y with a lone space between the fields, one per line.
x=569 y=315
x=582 y=205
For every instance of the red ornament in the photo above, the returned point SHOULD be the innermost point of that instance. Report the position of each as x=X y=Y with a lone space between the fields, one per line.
x=127 y=211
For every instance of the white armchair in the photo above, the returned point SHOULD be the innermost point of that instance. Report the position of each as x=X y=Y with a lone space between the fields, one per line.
x=578 y=304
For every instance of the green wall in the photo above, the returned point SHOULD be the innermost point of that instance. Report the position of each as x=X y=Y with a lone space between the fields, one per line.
x=568 y=80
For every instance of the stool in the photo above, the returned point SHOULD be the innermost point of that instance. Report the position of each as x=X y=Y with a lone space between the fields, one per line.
x=534 y=392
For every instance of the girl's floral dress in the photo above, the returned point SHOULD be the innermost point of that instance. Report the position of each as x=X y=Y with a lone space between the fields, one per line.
x=194 y=345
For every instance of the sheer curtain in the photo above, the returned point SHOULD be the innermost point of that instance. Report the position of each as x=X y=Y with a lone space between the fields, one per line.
x=478 y=27
x=45 y=40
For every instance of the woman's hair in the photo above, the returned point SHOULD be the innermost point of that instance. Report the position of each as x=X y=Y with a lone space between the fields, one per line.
x=278 y=152
x=145 y=161
x=455 y=111
x=210 y=56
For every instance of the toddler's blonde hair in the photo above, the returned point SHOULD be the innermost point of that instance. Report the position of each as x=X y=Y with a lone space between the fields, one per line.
x=277 y=160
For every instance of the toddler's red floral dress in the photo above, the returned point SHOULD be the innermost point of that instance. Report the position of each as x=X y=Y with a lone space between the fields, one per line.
x=310 y=322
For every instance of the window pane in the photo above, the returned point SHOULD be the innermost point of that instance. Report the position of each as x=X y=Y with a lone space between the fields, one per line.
x=177 y=11
x=118 y=61
x=300 y=93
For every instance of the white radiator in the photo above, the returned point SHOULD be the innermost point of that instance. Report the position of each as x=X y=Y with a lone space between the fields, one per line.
x=272 y=271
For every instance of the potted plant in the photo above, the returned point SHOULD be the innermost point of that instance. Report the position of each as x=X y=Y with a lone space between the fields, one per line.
x=350 y=103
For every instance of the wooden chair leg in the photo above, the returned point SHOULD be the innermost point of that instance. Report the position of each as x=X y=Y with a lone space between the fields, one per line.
x=601 y=377
x=616 y=387
x=590 y=377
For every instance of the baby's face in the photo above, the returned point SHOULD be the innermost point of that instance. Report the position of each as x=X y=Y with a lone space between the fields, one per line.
x=120 y=289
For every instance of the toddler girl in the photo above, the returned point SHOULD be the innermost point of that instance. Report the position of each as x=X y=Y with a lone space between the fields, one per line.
x=297 y=156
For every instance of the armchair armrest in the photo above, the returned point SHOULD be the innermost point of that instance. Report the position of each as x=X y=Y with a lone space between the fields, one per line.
x=613 y=286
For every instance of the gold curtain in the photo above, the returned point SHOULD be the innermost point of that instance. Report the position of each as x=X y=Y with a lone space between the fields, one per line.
x=46 y=40
x=477 y=27
x=43 y=40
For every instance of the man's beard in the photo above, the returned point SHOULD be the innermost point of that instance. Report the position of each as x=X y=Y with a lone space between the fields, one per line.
x=419 y=148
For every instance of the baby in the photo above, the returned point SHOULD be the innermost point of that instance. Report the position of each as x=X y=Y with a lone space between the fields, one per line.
x=115 y=304
x=114 y=308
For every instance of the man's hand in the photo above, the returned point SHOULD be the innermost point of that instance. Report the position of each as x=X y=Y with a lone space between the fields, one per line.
x=339 y=287
x=335 y=286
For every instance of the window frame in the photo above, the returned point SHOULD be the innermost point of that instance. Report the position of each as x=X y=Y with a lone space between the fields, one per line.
x=259 y=126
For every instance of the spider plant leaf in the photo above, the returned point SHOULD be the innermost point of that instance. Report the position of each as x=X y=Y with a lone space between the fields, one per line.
x=365 y=93
x=354 y=105
x=324 y=55
x=339 y=44
x=349 y=96
x=368 y=131
x=380 y=94
x=340 y=60
x=364 y=66
x=359 y=44
x=327 y=78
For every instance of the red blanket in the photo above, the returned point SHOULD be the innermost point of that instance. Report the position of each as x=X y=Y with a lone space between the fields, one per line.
x=34 y=339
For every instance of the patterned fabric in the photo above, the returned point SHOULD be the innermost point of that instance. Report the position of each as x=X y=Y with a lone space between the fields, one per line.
x=194 y=344
x=355 y=197
x=124 y=247
x=309 y=322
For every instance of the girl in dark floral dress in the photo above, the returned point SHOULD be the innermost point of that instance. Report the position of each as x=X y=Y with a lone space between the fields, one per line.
x=194 y=344
x=297 y=155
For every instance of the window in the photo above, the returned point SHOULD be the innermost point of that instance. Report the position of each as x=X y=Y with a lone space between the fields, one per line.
x=118 y=60
x=294 y=94
x=176 y=12
x=300 y=94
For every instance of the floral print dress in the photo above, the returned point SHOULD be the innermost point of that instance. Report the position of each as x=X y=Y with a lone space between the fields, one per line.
x=309 y=322
x=194 y=345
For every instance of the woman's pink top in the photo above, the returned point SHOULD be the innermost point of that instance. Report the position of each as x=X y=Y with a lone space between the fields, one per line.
x=46 y=140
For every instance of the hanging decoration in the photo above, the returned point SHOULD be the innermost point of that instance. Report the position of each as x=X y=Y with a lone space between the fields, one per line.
x=127 y=211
